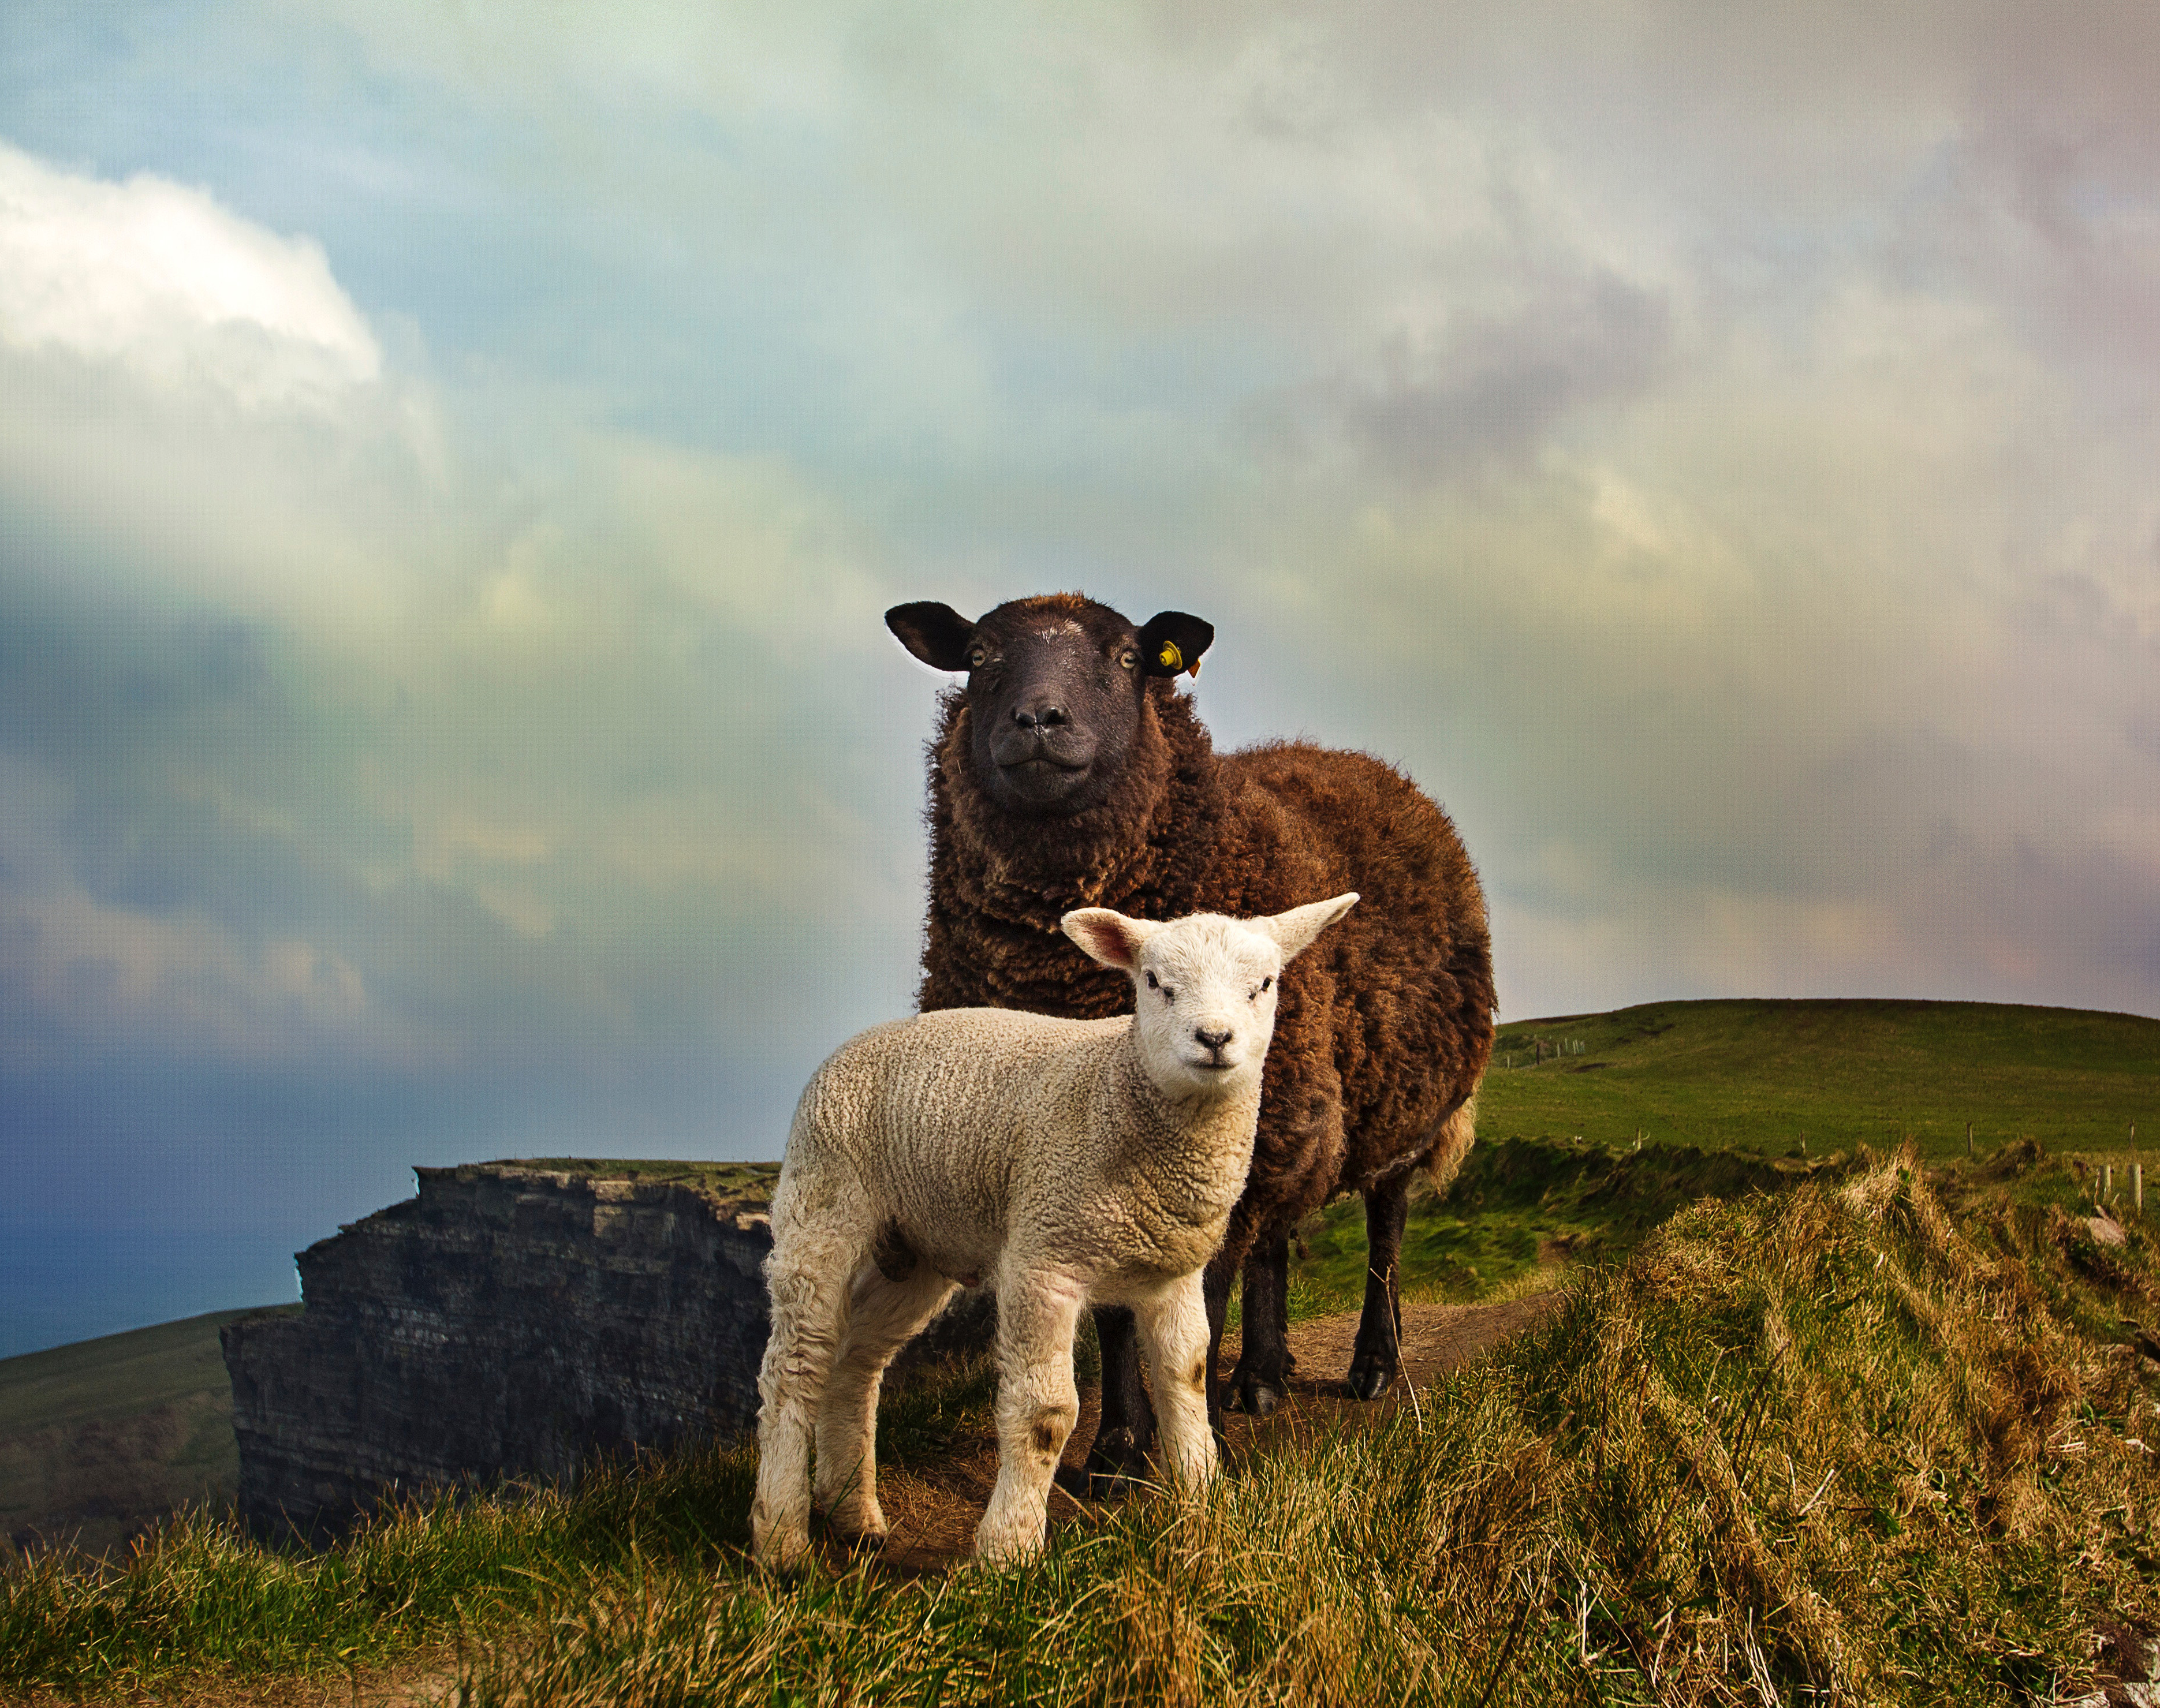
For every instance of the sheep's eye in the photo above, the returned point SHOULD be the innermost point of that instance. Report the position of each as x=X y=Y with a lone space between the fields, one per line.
x=1128 y=659
x=1267 y=980
x=977 y=658
x=1153 y=983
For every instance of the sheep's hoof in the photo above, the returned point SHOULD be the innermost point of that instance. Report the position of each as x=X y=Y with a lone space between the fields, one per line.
x=1115 y=1461
x=1255 y=1396
x=1371 y=1375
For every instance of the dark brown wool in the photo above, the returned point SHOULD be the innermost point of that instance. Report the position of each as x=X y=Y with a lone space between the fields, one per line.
x=1383 y=1026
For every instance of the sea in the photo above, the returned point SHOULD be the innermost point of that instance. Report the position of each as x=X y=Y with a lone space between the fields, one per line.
x=59 y=1284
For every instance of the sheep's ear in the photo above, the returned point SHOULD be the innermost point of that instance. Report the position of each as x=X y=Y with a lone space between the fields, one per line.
x=935 y=634
x=1172 y=643
x=1108 y=936
x=1293 y=930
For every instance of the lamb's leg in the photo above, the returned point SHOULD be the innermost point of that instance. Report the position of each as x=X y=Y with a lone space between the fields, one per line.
x=883 y=1315
x=1377 y=1356
x=809 y=1294
x=1125 y=1433
x=1037 y=1405
x=1261 y=1380
x=1174 y=1330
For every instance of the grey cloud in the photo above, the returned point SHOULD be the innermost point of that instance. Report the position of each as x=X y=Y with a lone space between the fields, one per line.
x=1725 y=482
x=1492 y=389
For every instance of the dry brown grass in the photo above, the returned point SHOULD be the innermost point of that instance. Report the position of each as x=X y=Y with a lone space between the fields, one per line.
x=1820 y=1448
x=1837 y=1445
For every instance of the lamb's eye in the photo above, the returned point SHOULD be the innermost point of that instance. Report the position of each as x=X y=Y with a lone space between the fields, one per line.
x=1129 y=659
x=1267 y=980
x=1153 y=983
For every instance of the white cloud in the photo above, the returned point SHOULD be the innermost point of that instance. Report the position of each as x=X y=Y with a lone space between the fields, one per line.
x=157 y=278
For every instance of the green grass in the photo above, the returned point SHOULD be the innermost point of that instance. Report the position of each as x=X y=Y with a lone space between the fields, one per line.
x=1760 y=1074
x=115 y=1375
x=1827 y=1442
x=729 y=1180
x=1805 y=1423
x=1520 y=1210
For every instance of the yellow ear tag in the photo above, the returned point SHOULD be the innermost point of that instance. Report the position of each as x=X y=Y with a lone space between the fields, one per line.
x=1169 y=658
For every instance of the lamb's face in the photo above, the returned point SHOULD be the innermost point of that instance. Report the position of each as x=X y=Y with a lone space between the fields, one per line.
x=1206 y=986
x=1206 y=989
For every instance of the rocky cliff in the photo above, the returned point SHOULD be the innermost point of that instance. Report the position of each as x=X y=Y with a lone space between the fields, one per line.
x=512 y=1319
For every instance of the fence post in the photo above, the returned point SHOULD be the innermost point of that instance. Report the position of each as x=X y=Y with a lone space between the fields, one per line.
x=2137 y=1186
x=2106 y=1182
x=1968 y=1150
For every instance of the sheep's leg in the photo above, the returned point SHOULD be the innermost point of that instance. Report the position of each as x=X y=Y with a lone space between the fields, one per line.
x=1376 y=1357
x=1125 y=1432
x=806 y=1282
x=1216 y=1281
x=883 y=1315
x=1174 y=1329
x=1261 y=1380
x=1037 y=1405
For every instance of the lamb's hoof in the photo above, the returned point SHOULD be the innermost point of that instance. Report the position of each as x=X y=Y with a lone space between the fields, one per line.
x=1008 y=1544
x=1371 y=1375
x=1255 y=1396
x=783 y=1553
x=1114 y=1464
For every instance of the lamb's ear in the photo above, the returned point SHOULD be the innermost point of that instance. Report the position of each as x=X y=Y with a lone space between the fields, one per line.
x=1172 y=642
x=935 y=634
x=1108 y=936
x=1293 y=930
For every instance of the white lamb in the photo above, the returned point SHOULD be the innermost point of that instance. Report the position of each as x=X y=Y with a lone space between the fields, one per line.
x=1070 y=1162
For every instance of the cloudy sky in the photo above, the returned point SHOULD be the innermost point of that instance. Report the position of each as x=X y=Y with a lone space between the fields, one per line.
x=453 y=458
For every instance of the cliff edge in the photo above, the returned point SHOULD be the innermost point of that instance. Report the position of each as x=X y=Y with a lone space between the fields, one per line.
x=513 y=1319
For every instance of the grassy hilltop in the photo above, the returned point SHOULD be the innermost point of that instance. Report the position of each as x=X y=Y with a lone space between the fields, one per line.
x=1830 y=1444
x=1633 y=1115
x=1812 y=1424
x=1764 y=1075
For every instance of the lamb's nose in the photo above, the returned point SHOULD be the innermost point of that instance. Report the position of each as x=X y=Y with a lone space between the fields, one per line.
x=1213 y=1040
x=1040 y=716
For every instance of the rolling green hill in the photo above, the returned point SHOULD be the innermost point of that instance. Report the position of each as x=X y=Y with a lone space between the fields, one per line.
x=1633 y=1115
x=98 y=1437
x=1762 y=1074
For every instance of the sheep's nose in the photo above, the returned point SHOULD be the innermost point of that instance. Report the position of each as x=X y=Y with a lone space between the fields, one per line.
x=1213 y=1040
x=1041 y=717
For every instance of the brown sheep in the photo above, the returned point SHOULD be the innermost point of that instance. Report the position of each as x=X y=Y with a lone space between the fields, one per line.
x=1066 y=773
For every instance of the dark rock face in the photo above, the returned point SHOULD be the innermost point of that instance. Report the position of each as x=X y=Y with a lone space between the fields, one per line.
x=513 y=1319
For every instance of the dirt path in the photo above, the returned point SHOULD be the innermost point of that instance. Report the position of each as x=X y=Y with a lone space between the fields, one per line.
x=934 y=1510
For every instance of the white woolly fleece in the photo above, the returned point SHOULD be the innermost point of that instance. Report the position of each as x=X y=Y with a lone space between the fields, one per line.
x=1068 y=1162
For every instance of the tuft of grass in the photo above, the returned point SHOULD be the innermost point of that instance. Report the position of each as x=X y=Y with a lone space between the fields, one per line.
x=1831 y=1443
x=197 y=1594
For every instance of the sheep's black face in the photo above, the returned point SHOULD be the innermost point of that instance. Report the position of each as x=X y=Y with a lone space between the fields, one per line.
x=1055 y=688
